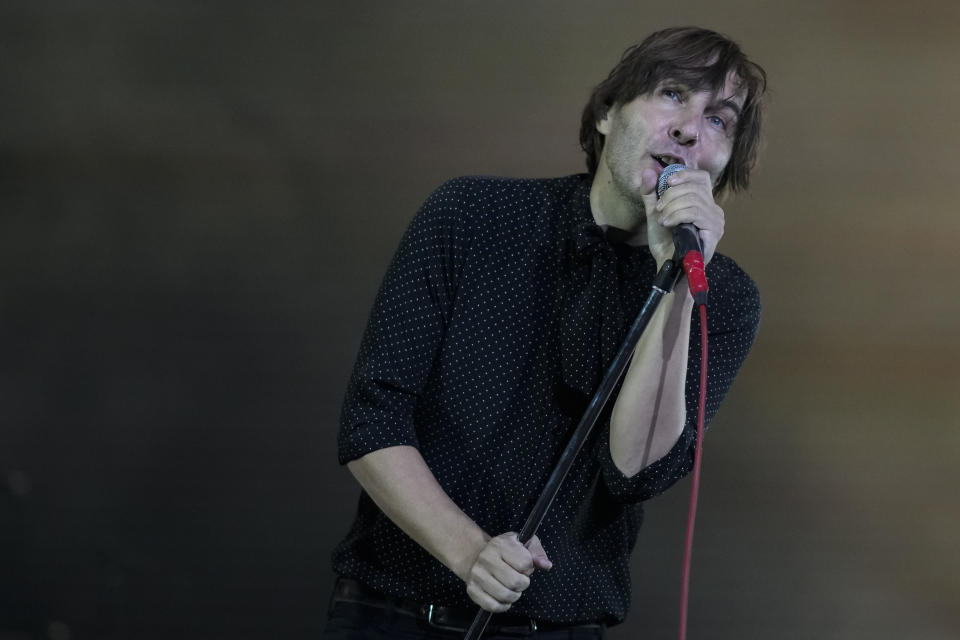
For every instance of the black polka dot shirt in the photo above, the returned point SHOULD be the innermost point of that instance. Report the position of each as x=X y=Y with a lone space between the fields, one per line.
x=498 y=315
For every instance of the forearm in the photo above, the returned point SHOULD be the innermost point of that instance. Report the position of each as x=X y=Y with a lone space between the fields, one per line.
x=650 y=411
x=399 y=481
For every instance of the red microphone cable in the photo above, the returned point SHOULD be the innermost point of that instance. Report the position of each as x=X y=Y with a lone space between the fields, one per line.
x=695 y=484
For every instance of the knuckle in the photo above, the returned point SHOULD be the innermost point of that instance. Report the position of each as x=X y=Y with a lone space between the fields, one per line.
x=519 y=583
x=488 y=556
x=475 y=595
x=502 y=541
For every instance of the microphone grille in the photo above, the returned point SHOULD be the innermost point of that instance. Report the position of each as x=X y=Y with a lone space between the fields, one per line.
x=668 y=171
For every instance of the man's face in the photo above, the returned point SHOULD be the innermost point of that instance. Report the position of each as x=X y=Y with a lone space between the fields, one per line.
x=671 y=124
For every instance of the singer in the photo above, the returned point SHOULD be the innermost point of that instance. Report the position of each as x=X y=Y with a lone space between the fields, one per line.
x=503 y=306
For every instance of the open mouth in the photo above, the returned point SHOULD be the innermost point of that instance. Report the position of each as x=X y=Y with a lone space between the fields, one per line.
x=666 y=160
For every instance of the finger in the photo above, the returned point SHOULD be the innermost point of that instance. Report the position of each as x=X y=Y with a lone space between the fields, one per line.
x=690 y=211
x=688 y=193
x=649 y=189
x=687 y=190
x=515 y=554
x=691 y=207
x=540 y=559
x=681 y=213
x=483 y=600
x=680 y=209
x=649 y=179
x=673 y=202
x=712 y=227
x=689 y=176
x=490 y=584
x=510 y=577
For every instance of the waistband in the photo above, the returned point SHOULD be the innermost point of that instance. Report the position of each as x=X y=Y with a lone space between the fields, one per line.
x=444 y=617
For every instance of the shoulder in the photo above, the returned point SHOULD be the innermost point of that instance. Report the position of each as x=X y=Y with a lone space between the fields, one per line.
x=724 y=273
x=494 y=196
x=490 y=210
x=485 y=187
x=507 y=211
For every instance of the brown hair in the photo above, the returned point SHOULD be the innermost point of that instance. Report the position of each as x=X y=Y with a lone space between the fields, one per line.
x=698 y=58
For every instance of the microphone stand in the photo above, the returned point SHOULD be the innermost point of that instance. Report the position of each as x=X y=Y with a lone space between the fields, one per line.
x=662 y=285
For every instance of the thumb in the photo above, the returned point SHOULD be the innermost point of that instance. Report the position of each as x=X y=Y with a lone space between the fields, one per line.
x=649 y=193
x=540 y=559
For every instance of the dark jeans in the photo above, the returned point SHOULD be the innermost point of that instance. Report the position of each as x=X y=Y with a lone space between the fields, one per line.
x=354 y=621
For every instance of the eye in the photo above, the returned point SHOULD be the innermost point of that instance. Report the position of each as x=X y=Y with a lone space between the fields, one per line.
x=718 y=122
x=672 y=94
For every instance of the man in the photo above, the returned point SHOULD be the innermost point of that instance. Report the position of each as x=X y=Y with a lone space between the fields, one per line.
x=502 y=308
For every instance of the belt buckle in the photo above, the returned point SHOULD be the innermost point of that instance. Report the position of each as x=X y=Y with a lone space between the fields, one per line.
x=428 y=614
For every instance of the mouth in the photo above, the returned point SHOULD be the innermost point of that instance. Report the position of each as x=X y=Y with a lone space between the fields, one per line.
x=666 y=159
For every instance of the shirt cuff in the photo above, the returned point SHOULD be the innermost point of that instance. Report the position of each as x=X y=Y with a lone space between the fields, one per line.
x=652 y=480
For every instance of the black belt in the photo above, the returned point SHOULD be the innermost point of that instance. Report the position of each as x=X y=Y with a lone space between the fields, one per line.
x=443 y=617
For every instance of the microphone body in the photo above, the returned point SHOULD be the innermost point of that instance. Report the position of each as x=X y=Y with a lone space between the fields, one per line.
x=686 y=242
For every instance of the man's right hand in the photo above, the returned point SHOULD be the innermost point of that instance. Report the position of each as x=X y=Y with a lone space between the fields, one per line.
x=495 y=570
x=502 y=571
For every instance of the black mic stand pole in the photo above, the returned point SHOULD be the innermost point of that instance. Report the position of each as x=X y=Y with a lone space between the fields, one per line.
x=662 y=285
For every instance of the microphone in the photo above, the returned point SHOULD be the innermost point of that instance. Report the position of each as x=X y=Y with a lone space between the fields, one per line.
x=686 y=242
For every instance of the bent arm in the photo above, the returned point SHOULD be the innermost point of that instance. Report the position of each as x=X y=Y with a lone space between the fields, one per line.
x=399 y=481
x=733 y=318
x=649 y=415
x=650 y=411
x=496 y=570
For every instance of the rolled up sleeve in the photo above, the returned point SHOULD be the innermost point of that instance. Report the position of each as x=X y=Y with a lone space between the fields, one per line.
x=406 y=327
x=733 y=318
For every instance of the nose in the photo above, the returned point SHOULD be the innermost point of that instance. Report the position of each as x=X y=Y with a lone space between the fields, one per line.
x=685 y=132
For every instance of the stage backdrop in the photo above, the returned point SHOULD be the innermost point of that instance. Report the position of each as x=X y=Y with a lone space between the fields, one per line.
x=198 y=201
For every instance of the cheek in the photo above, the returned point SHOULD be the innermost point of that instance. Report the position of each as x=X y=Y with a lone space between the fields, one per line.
x=616 y=149
x=719 y=162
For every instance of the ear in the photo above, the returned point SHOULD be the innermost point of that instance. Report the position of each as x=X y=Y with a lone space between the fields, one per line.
x=603 y=125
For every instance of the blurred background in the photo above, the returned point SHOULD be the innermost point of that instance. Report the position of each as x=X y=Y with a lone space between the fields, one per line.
x=198 y=201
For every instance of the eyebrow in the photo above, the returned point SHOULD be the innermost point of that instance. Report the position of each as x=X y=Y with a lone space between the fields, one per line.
x=728 y=103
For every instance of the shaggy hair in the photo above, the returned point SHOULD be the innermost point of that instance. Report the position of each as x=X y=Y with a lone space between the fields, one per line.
x=699 y=59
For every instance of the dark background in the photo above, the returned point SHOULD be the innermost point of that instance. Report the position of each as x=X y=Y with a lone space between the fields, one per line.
x=197 y=203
